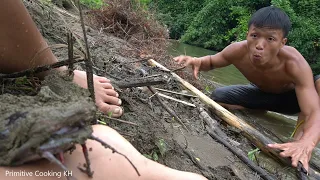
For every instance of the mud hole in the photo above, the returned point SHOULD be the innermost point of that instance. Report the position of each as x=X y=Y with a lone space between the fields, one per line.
x=158 y=135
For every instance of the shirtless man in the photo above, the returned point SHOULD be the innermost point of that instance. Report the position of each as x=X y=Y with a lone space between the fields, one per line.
x=281 y=79
x=20 y=40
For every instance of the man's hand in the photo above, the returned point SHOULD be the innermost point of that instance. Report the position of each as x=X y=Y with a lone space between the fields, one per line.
x=195 y=63
x=299 y=150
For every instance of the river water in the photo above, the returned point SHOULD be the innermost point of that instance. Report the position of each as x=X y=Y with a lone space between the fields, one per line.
x=281 y=125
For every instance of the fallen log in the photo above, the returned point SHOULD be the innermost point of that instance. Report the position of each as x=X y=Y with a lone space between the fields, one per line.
x=257 y=138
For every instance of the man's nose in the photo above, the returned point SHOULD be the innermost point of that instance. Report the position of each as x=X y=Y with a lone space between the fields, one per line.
x=260 y=45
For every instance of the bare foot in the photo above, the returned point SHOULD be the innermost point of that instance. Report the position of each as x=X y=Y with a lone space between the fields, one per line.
x=106 y=97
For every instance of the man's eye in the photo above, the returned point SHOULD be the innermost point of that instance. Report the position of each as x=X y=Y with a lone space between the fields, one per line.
x=253 y=35
x=271 y=39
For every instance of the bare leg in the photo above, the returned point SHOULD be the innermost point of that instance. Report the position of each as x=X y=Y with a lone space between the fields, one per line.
x=105 y=164
x=21 y=42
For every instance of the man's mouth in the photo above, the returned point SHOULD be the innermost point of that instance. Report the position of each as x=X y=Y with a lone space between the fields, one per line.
x=257 y=56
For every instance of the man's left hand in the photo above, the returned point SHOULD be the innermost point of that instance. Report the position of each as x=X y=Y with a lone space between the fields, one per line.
x=299 y=150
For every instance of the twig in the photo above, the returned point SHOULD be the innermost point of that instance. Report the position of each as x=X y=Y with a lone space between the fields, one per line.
x=155 y=75
x=101 y=122
x=51 y=158
x=167 y=108
x=178 y=69
x=140 y=82
x=56 y=46
x=88 y=164
x=216 y=133
x=70 y=52
x=120 y=120
x=183 y=94
x=88 y=62
x=244 y=158
x=29 y=72
x=113 y=151
x=135 y=61
x=177 y=100
x=194 y=159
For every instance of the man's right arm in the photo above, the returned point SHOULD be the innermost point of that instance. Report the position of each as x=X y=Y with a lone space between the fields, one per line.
x=206 y=63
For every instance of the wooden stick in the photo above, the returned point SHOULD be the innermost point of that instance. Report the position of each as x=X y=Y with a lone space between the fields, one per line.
x=36 y=70
x=164 y=90
x=178 y=69
x=177 y=100
x=88 y=62
x=244 y=158
x=167 y=108
x=216 y=133
x=70 y=52
x=252 y=134
x=140 y=82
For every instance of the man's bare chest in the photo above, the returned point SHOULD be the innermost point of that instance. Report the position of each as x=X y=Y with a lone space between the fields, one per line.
x=273 y=81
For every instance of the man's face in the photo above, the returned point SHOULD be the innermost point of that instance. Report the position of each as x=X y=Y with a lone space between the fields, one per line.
x=264 y=44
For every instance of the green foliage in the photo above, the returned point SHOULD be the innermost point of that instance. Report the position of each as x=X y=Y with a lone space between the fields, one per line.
x=143 y=3
x=161 y=148
x=93 y=4
x=153 y=156
x=221 y=22
x=203 y=31
x=252 y=154
x=176 y=14
x=162 y=145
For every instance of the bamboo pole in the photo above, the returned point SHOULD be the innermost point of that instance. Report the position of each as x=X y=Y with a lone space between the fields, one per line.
x=257 y=138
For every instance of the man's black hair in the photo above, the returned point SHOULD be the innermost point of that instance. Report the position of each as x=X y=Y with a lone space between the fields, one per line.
x=271 y=17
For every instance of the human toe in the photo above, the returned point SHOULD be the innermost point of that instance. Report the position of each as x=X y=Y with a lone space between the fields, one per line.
x=112 y=110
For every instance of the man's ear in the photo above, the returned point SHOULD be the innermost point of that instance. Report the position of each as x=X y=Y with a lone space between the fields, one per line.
x=284 y=41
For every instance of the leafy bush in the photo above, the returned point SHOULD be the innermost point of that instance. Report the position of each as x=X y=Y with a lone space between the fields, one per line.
x=176 y=14
x=93 y=4
x=220 y=22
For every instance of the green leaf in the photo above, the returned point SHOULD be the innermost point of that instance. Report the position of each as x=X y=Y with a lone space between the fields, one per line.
x=251 y=154
x=162 y=146
x=110 y=114
x=147 y=156
x=155 y=156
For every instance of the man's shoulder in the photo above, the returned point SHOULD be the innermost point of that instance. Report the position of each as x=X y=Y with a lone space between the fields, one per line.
x=236 y=50
x=289 y=50
x=241 y=45
x=291 y=55
x=295 y=63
